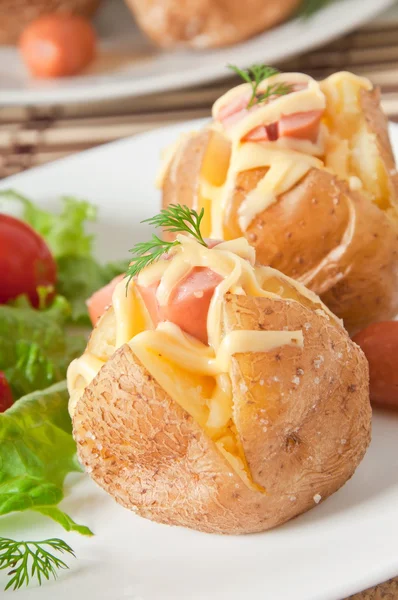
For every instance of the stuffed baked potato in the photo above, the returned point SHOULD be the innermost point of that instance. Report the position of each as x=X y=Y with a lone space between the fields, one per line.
x=218 y=394
x=305 y=171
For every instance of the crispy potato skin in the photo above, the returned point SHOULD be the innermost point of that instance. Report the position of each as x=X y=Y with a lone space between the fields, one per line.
x=207 y=23
x=181 y=185
x=335 y=241
x=300 y=439
x=306 y=428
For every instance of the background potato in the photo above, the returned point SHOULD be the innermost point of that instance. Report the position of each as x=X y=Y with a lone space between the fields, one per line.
x=302 y=416
x=207 y=23
x=338 y=242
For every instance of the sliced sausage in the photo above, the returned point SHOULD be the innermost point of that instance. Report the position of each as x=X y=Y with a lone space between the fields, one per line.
x=101 y=299
x=301 y=125
x=188 y=304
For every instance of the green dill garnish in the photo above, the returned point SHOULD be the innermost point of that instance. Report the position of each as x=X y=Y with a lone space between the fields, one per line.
x=173 y=219
x=31 y=559
x=255 y=75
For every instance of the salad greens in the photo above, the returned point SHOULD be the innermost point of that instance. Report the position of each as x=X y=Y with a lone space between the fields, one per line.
x=37 y=450
x=79 y=274
x=31 y=477
x=65 y=232
x=34 y=350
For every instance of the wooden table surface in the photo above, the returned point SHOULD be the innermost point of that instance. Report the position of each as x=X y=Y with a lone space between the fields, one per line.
x=31 y=136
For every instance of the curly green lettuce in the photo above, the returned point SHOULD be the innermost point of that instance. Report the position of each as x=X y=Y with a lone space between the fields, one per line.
x=37 y=451
x=35 y=350
x=65 y=233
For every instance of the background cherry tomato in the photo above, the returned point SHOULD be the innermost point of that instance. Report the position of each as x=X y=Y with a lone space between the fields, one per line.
x=25 y=261
x=379 y=342
x=5 y=393
x=57 y=45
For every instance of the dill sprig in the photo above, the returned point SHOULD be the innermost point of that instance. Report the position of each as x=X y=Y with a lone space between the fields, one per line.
x=255 y=75
x=146 y=253
x=31 y=559
x=173 y=219
x=177 y=218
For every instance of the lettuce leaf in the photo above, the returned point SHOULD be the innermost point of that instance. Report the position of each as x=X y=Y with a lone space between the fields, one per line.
x=34 y=348
x=37 y=451
x=64 y=232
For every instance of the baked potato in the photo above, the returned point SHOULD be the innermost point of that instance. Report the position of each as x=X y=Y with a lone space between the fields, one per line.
x=308 y=177
x=218 y=394
x=15 y=16
x=207 y=23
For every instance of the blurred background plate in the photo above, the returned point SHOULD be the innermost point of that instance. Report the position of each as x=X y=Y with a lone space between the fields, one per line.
x=129 y=65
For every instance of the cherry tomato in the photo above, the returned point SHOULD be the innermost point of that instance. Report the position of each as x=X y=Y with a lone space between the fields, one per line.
x=379 y=342
x=5 y=393
x=57 y=45
x=25 y=261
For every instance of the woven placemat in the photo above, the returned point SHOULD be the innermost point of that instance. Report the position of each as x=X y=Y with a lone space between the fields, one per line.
x=31 y=136
x=384 y=591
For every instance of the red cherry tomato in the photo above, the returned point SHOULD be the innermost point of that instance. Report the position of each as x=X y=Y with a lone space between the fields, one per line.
x=5 y=393
x=379 y=342
x=58 y=45
x=25 y=261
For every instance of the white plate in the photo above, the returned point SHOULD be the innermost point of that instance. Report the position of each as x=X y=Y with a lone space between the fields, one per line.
x=346 y=544
x=129 y=65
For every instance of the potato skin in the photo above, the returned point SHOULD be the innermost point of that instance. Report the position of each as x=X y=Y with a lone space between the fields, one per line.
x=333 y=240
x=207 y=23
x=309 y=423
x=301 y=440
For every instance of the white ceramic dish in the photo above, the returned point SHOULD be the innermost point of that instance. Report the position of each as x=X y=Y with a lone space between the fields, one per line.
x=130 y=66
x=344 y=545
